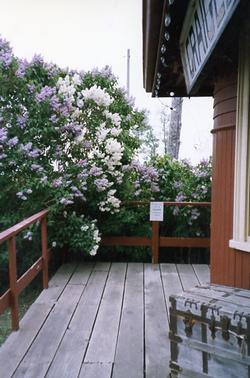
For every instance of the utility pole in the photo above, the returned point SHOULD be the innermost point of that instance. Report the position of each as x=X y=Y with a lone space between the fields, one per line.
x=128 y=71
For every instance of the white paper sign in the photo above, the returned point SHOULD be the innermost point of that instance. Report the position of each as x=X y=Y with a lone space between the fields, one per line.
x=156 y=211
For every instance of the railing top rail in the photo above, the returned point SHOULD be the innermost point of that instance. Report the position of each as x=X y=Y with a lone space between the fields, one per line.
x=170 y=203
x=14 y=230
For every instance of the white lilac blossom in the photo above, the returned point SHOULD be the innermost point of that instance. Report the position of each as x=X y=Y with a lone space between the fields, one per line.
x=114 y=117
x=98 y=95
x=102 y=132
x=66 y=201
x=28 y=235
x=84 y=228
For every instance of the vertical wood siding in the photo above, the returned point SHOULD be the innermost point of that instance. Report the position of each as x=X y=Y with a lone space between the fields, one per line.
x=223 y=257
x=228 y=266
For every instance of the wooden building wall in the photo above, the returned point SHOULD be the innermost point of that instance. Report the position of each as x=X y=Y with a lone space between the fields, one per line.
x=228 y=266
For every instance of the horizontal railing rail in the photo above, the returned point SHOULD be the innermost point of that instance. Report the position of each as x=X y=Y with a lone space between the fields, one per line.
x=156 y=241
x=9 y=298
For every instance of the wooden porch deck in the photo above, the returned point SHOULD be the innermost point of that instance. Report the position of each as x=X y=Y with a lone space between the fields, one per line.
x=99 y=320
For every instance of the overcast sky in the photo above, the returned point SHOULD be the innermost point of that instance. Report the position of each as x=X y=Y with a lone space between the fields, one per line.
x=83 y=34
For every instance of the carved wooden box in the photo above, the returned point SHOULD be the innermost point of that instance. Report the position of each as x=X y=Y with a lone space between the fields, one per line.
x=210 y=333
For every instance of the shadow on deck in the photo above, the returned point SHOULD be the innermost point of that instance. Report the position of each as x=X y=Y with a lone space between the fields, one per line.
x=99 y=320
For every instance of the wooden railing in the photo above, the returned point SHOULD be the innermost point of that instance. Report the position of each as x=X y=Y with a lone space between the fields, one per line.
x=156 y=241
x=16 y=285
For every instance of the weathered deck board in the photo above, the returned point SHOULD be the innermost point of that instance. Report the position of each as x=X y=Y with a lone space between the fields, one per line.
x=171 y=281
x=99 y=320
x=129 y=360
x=203 y=273
x=102 y=344
x=156 y=325
x=32 y=322
x=187 y=276
x=70 y=354
x=41 y=352
x=96 y=370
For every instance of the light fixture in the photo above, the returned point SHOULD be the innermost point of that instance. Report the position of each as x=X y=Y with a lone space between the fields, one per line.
x=163 y=49
x=163 y=61
x=167 y=36
x=171 y=94
x=167 y=20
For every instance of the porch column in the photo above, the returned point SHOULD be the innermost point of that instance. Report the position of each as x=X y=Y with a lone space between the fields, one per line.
x=223 y=257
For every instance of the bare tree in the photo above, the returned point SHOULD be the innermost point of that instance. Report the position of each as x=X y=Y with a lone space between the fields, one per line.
x=165 y=120
x=175 y=127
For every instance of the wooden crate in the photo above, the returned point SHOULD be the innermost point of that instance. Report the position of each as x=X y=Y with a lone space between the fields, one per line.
x=210 y=333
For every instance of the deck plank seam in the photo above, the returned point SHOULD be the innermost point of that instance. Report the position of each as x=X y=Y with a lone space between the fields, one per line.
x=144 y=326
x=183 y=289
x=164 y=293
x=120 y=317
x=45 y=320
x=198 y=279
x=73 y=313
x=94 y=322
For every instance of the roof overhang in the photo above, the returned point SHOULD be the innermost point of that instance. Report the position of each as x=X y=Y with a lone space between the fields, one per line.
x=163 y=70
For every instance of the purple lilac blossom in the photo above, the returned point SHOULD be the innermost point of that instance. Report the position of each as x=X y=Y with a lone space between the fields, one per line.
x=57 y=182
x=21 y=120
x=3 y=156
x=176 y=211
x=5 y=53
x=31 y=88
x=6 y=58
x=36 y=168
x=34 y=153
x=180 y=197
x=37 y=59
x=96 y=171
x=72 y=127
x=13 y=141
x=87 y=144
x=3 y=135
x=53 y=118
x=22 y=66
x=45 y=93
x=101 y=184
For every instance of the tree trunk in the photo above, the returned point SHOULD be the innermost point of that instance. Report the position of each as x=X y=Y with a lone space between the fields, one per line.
x=175 y=127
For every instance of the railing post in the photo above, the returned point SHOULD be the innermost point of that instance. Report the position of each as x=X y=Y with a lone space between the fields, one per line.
x=44 y=253
x=155 y=242
x=13 y=283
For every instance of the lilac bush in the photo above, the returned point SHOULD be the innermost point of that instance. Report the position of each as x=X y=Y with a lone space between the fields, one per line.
x=65 y=138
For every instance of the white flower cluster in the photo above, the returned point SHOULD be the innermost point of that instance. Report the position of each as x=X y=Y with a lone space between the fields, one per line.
x=114 y=117
x=66 y=87
x=97 y=94
x=95 y=234
x=111 y=204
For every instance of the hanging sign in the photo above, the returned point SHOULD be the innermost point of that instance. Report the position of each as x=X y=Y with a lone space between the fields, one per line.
x=156 y=211
x=203 y=26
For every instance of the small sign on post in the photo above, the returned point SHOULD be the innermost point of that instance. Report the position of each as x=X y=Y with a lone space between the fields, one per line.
x=156 y=211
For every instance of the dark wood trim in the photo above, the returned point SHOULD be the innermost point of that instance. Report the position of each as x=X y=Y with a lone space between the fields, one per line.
x=29 y=275
x=5 y=301
x=14 y=230
x=184 y=242
x=222 y=128
x=126 y=241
